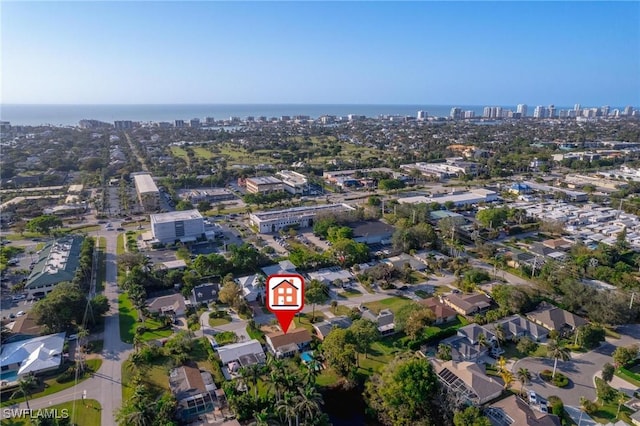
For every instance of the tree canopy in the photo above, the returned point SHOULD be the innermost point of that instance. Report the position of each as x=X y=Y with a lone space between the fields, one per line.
x=404 y=393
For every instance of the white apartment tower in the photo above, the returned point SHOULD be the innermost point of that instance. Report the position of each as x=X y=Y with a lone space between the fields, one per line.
x=522 y=110
x=539 y=112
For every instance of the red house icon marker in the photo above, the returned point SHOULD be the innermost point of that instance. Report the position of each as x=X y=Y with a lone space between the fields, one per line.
x=285 y=294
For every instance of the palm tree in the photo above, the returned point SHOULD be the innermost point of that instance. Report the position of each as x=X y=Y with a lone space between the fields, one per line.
x=253 y=373
x=286 y=408
x=444 y=352
x=308 y=402
x=25 y=385
x=502 y=363
x=499 y=332
x=507 y=377
x=555 y=351
x=83 y=333
x=524 y=377
x=482 y=341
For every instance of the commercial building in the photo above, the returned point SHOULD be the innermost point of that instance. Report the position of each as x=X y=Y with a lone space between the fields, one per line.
x=56 y=263
x=185 y=226
x=148 y=193
x=212 y=195
x=303 y=217
x=460 y=198
x=264 y=185
x=294 y=182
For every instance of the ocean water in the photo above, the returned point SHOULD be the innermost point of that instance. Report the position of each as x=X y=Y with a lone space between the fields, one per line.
x=70 y=115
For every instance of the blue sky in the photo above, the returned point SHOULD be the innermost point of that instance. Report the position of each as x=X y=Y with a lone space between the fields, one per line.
x=321 y=52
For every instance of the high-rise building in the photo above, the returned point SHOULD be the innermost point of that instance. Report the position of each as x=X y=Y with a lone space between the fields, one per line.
x=210 y=120
x=522 y=109
x=628 y=110
x=497 y=112
x=456 y=113
x=179 y=123
x=487 y=112
x=123 y=124
x=422 y=115
x=469 y=114
x=605 y=110
x=194 y=122
x=539 y=112
x=551 y=111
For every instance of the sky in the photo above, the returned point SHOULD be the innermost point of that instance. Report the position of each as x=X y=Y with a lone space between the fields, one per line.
x=435 y=53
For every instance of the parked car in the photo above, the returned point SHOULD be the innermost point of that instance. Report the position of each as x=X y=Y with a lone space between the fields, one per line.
x=21 y=313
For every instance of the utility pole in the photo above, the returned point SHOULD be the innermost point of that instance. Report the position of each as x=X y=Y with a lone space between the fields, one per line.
x=633 y=295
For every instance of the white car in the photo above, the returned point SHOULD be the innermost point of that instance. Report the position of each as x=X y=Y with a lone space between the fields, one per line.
x=72 y=337
x=21 y=313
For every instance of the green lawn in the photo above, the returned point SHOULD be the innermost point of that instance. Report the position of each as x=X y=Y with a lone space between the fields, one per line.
x=350 y=292
x=214 y=322
x=201 y=152
x=382 y=352
x=129 y=323
x=50 y=385
x=510 y=351
x=606 y=413
x=304 y=320
x=629 y=376
x=393 y=303
x=327 y=377
x=341 y=310
x=157 y=377
x=81 y=413
x=120 y=244
x=176 y=151
x=256 y=334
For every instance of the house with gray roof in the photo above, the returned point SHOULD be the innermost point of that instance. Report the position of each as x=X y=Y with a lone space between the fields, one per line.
x=325 y=327
x=57 y=262
x=553 y=318
x=205 y=293
x=467 y=380
x=515 y=327
x=385 y=321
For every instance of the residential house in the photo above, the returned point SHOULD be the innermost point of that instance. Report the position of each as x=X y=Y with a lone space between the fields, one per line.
x=282 y=267
x=243 y=354
x=399 y=261
x=32 y=356
x=516 y=326
x=252 y=287
x=443 y=313
x=284 y=345
x=467 y=345
x=385 y=321
x=172 y=305
x=554 y=318
x=192 y=389
x=514 y=411
x=328 y=276
x=205 y=293
x=467 y=380
x=26 y=325
x=325 y=327
x=468 y=304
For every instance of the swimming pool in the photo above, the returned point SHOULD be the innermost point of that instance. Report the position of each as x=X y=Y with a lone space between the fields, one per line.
x=307 y=356
x=9 y=376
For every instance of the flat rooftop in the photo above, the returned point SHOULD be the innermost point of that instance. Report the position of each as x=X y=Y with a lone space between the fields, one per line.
x=298 y=212
x=264 y=180
x=144 y=183
x=174 y=216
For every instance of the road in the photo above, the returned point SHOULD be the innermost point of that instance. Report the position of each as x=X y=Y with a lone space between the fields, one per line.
x=580 y=369
x=105 y=385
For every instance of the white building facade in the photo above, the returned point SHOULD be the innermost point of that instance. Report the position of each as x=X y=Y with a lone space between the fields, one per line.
x=185 y=226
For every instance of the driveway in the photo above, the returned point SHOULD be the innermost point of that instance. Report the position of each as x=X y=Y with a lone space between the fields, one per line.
x=580 y=369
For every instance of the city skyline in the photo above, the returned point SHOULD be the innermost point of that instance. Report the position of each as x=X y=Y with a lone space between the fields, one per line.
x=321 y=53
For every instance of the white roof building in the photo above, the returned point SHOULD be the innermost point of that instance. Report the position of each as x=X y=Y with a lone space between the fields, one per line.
x=246 y=353
x=34 y=355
